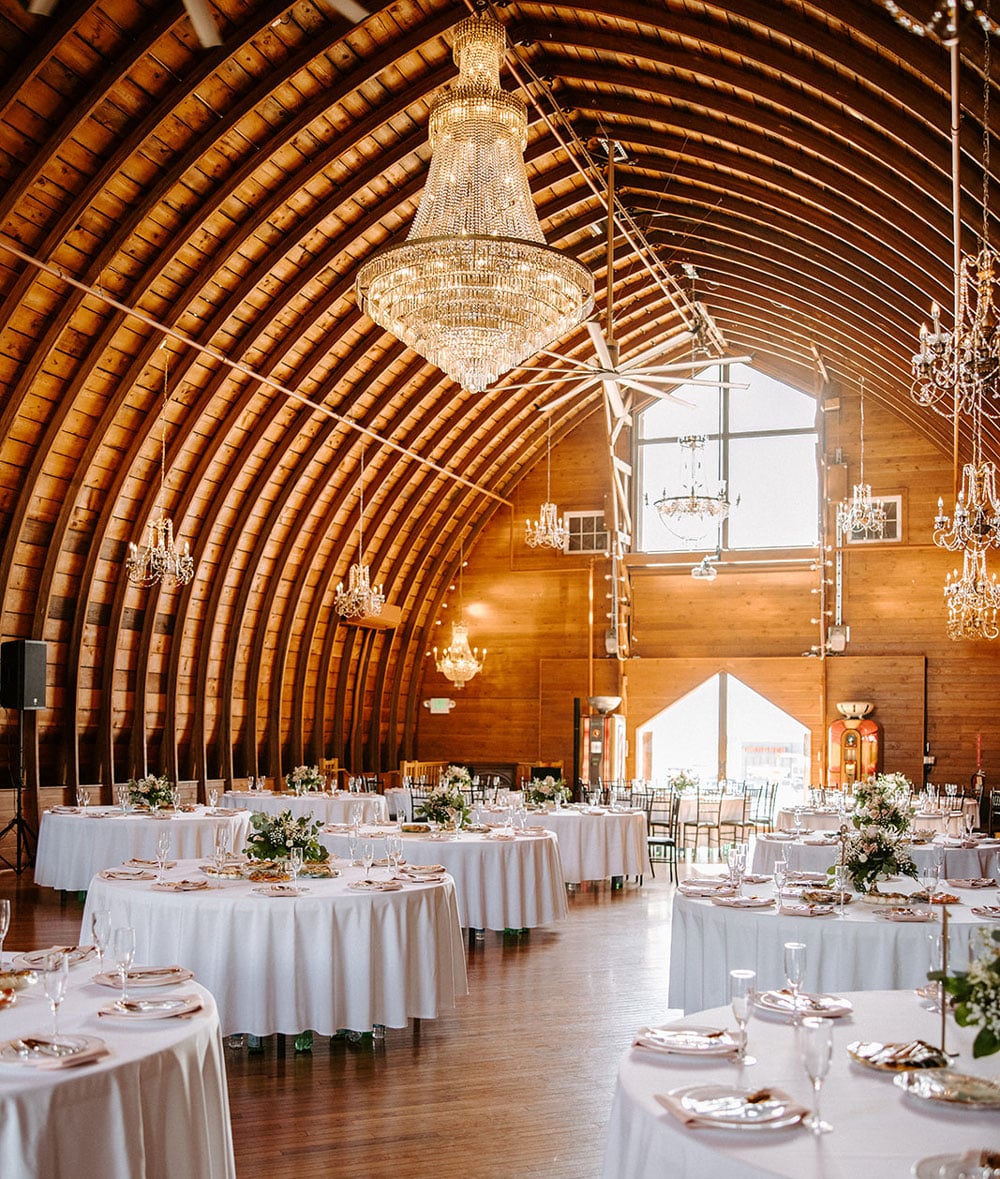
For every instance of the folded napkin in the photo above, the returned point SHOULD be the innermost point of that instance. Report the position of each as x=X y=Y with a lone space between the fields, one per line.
x=990 y=911
x=748 y=902
x=181 y=885
x=126 y=874
x=808 y=909
x=135 y=862
x=816 y=841
x=81 y=1058
x=65 y=810
x=706 y=890
x=975 y=882
x=805 y=877
x=695 y=1121
x=420 y=878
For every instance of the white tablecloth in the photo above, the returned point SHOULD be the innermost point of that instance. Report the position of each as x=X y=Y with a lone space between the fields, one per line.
x=72 y=848
x=331 y=959
x=878 y=1132
x=959 y=863
x=500 y=884
x=155 y=1108
x=324 y=807
x=596 y=846
x=829 y=818
x=860 y=952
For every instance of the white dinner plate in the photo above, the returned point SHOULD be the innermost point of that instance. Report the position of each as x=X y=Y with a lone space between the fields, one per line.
x=127 y=874
x=279 y=890
x=145 y=976
x=950 y=1087
x=896 y=1058
x=51 y=1051
x=906 y=913
x=750 y=902
x=825 y=1006
x=945 y=1166
x=167 y=1007
x=990 y=912
x=181 y=885
x=35 y=959
x=686 y=1040
x=375 y=886
x=727 y=1107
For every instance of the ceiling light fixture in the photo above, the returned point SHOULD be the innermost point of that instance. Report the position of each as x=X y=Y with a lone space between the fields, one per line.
x=548 y=531
x=458 y=661
x=360 y=599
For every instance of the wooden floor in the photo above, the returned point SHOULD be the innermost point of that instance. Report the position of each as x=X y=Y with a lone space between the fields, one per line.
x=516 y=1081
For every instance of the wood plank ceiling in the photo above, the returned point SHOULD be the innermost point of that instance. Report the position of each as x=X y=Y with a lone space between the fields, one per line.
x=795 y=154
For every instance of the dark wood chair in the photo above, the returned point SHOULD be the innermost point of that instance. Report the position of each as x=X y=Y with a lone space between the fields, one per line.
x=661 y=827
x=994 y=815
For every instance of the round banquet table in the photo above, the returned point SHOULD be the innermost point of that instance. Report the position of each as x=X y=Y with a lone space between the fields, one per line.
x=74 y=845
x=860 y=952
x=326 y=808
x=595 y=844
x=829 y=818
x=815 y=854
x=155 y=1108
x=877 y=1130
x=331 y=959
x=500 y=883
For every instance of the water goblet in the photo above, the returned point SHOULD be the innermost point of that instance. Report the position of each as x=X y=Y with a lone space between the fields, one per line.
x=933 y=989
x=251 y=783
x=222 y=847
x=930 y=874
x=100 y=927
x=394 y=851
x=780 y=876
x=841 y=883
x=175 y=798
x=817 y=1052
x=162 y=854
x=4 y=923
x=795 y=971
x=968 y=821
x=457 y=817
x=368 y=857
x=296 y=857
x=797 y=819
x=357 y=813
x=124 y=951
x=55 y=977
x=731 y=855
x=353 y=846
x=213 y=798
x=741 y=992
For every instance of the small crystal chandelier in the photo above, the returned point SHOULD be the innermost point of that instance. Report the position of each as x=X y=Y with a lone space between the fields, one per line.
x=975 y=525
x=458 y=661
x=861 y=513
x=474 y=288
x=360 y=599
x=548 y=530
x=973 y=599
x=159 y=560
x=692 y=515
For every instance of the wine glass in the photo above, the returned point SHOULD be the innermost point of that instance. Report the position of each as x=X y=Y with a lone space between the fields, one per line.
x=55 y=977
x=930 y=874
x=780 y=876
x=368 y=857
x=817 y=1052
x=357 y=813
x=124 y=949
x=175 y=798
x=968 y=821
x=251 y=784
x=162 y=854
x=795 y=971
x=100 y=927
x=394 y=851
x=741 y=992
x=221 y=848
x=841 y=883
x=933 y=989
x=213 y=798
x=4 y=923
x=456 y=815
x=732 y=852
x=296 y=856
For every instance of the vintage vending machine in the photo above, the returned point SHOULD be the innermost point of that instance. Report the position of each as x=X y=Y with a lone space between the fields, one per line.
x=602 y=742
x=854 y=747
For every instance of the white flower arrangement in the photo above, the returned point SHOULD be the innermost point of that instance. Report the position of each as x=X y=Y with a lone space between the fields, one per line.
x=976 y=994
x=547 y=789
x=682 y=781
x=456 y=777
x=273 y=835
x=442 y=802
x=304 y=779
x=874 y=852
x=883 y=801
x=151 y=791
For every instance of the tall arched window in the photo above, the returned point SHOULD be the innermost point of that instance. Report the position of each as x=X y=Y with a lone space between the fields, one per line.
x=761 y=439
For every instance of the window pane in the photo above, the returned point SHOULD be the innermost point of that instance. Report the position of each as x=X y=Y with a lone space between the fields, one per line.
x=671 y=419
x=662 y=473
x=767 y=404
x=777 y=482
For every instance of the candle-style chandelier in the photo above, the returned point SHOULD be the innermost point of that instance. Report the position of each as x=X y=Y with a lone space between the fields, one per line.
x=360 y=598
x=972 y=599
x=861 y=513
x=699 y=508
x=159 y=560
x=975 y=523
x=458 y=661
x=548 y=531
x=475 y=288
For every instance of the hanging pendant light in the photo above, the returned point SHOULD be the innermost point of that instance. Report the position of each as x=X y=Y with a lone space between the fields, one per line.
x=159 y=559
x=862 y=513
x=474 y=288
x=360 y=598
x=548 y=531
x=692 y=514
x=458 y=661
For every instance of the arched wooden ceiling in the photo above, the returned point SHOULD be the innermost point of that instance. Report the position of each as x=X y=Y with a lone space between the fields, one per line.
x=795 y=154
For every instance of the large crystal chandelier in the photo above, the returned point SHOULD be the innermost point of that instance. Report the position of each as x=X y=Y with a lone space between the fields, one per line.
x=699 y=509
x=548 y=531
x=474 y=288
x=458 y=661
x=973 y=599
x=159 y=559
x=861 y=513
x=360 y=598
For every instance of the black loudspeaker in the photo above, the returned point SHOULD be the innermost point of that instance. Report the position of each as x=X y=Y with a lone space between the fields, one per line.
x=22 y=674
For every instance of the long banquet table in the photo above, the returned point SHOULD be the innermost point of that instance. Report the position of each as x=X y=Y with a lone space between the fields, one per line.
x=859 y=952
x=331 y=959
x=816 y=854
x=500 y=883
x=73 y=845
x=877 y=1130
x=325 y=808
x=155 y=1108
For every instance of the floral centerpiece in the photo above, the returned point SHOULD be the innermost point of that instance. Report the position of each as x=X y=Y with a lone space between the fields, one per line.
x=443 y=803
x=304 y=779
x=271 y=836
x=883 y=801
x=151 y=791
x=873 y=853
x=547 y=789
x=682 y=781
x=457 y=777
x=976 y=994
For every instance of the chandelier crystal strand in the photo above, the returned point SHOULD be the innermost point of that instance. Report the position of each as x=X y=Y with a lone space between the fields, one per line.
x=459 y=662
x=548 y=531
x=474 y=288
x=360 y=598
x=861 y=513
x=159 y=560
x=693 y=514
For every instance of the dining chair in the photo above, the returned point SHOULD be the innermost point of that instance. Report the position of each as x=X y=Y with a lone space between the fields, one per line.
x=707 y=807
x=994 y=815
x=661 y=827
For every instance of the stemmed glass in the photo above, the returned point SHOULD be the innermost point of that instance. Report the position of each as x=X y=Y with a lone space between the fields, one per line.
x=295 y=858
x=124 y=948
x=393 y=852
x=841 y=883
x=251 y=784
x=4 y=923
x=55 y=978
x=357 y=813
x=368 y=857
x=930 y=874
x=934 y=989
x=162 y=854
x=100 y=927
x=741 y=992
x=456 y=815
x=817 y=1052
x=780 y=876
x=795 y=971
x=83 y=797
x=175 y=798
x=968 y=821
x=221 y=848
x=213 y=798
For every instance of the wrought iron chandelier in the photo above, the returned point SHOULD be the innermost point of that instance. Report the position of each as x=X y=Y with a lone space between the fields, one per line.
x=972 y=599
x=474 y=288
x=861 y=513
x=548 y=531
x=159 y=560
x=692 y=515
x=458 y=661
x=360 y=599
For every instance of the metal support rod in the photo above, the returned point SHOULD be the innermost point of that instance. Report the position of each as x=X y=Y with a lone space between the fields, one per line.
x=956 y=226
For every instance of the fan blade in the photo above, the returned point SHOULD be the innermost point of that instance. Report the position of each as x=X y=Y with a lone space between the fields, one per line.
x=584 y=364
x=659 y=394
x=203 y=23
x=679 y=365
x=615 y=399
x=348 y=9
x=600 y=344
x=659 y=349
x=543 y=409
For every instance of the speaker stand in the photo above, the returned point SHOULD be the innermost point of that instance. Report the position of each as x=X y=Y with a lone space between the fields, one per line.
x=19 y=824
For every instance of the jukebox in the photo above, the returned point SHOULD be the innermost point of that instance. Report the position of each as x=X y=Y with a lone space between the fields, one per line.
x=854 y=747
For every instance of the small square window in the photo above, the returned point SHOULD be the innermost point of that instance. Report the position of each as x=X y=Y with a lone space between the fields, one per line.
x=587 y=532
